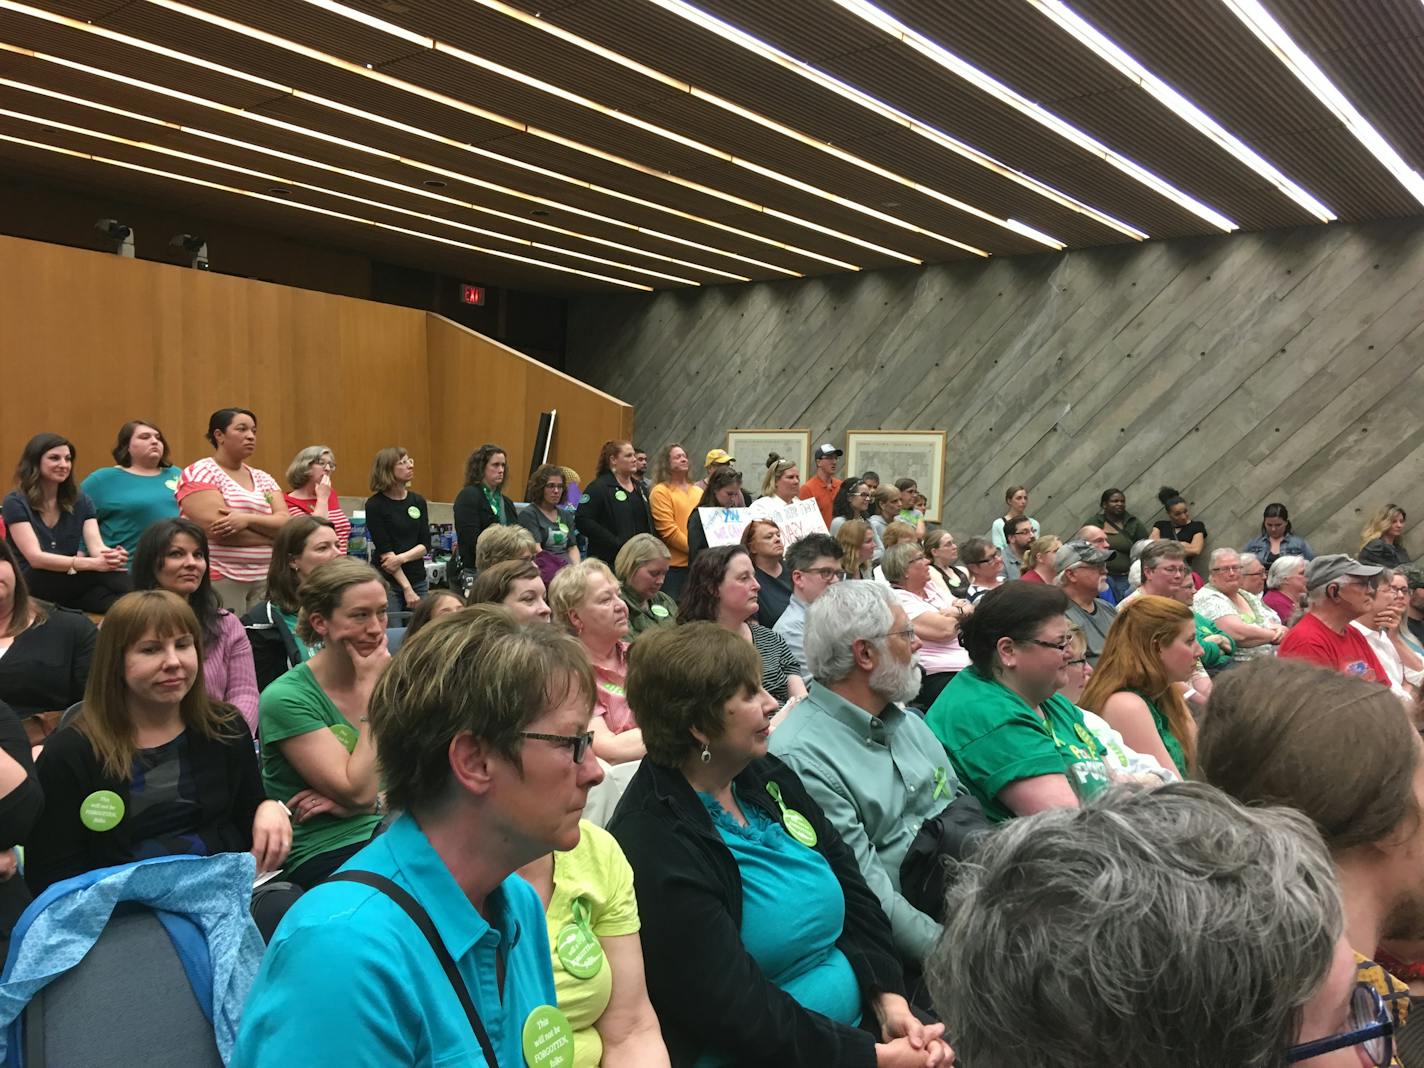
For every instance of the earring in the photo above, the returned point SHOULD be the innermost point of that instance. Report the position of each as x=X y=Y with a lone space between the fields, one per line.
x=706 y=754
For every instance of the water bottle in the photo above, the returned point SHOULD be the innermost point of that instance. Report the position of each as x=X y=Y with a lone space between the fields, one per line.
x=358 y=545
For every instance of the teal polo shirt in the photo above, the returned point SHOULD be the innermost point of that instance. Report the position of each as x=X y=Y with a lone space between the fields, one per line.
x=349 y=980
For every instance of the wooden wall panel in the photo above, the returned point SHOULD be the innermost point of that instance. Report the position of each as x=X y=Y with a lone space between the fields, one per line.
x=1286 y=365
x=88 y=340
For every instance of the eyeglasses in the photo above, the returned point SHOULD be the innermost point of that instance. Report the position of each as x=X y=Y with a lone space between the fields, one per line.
x=1227 y=568
x=1371 y=1026
x=1061 y=647
x=828 y=574
x=862 y=496
x=1174 y=572
x=578 y=744
x=1075 y=662
x=908 y=634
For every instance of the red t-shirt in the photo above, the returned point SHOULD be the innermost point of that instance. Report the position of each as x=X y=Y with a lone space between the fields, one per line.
x=334 y=515
x=1350 y=653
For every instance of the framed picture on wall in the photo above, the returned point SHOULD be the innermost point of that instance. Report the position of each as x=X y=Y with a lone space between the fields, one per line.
x=892 y=454
x=751 y=448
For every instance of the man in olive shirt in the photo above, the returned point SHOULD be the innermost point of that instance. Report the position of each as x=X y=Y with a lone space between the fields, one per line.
x=876 y=770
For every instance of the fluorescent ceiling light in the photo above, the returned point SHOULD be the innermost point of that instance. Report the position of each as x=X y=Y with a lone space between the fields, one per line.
x=986 y=83
x=1111 y=53
x=857 y=96
x=286 y=203
x=1273 y=35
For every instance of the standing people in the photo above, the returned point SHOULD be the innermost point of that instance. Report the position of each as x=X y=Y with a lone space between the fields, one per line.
x=1016 y=503
x=614 y=507
x=813 y=562
x=1276 y=539
x=1179 y=524
x=671 y=501
x=49 y=522
x=779 y=486
x=302 y=546
x=724 y=490
x=1082 y=574
x=823 y=486
x=1122 y=531
x=240 y=508
x=398 y=520
x=1382 y=540
x=309 y=475
x=137 y=490
x=482 y=503
x=1339 y=589
x=715 y=458
x=640 y=468
x=551 y=524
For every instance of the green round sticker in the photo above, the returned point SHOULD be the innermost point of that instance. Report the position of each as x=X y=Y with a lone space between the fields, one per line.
x=620 y=496
x=413 y=512
x=548 y=1039
x=799 y=827
x=102 y=810
x=659 y=611
x=172 y=484
x=579 y=951
x=345 y=735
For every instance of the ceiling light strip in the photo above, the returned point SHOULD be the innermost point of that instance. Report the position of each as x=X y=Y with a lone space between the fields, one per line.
x=276 y=179
x=466 y=107
x=186 y=179
x=986 y=83
x=1116 y=57
x=860 y=97
x=347 y=110
x=1274 y=36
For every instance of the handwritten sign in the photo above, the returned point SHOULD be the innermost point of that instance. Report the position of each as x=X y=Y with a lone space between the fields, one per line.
x=724 y=526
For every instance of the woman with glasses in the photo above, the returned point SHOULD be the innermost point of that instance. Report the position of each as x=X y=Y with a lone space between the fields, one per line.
x=309 y=475
x=1237 y=612
x=1015 y=742
x=399 y=523
x=936 y=621
x=551 y=524
x=852 y=502
x=985 y=564
x=762 y=942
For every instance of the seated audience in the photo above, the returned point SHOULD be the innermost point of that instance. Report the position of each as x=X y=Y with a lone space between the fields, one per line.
x=482 y=728
x=302 y=546
x=895 y=533
x=1038 y=564
x=482 y=503
x=641 y=567
x=985 y=565
x=317 y=754
x=935 y=622
x=44 y=652
x=436 y=605
x=1121 y=531
x=1082 y=575
x=722 y=589
x=1216 y=647
x=1381 y=541
x=21 y=802
x=550 y=524
x=1165 y=574
x=586 y=602
x=853 y=501
x=1016 y=503
x=1379 y=621
x=858 y=548
x=1339 y=589
x=1015 y=742
x=912 y=502
x=871 y=480
x=823 y=485
x=877 y=772
x=309 y=475
x=779 y=486
x=398 y=525
x=1185 y=930
x=1276 y=538
x=762 y=541
x=1179 y=524
x=1411 y=652
x=151 y=767
x=518 y=586
x=591 y=913
x=813 y=562
x=1253 y=581
x=614 y=507
x=1018 y=536
x=671 y=501
x=1285 y=588
x=240 y=508
x=724 y=490
x=722 y=838
x=1151 y=650
x=1415 y=620
x=884 y=509
x=500 y=543
x=1236 y=611
x=1274 y=734
x=172 y=555
x=946 y=575
x=137 y=490
x=55 y=532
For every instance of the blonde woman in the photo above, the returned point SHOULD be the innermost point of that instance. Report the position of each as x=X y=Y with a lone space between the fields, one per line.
x=858 y=548
x=309 y=475
x=672 y=499
x=779 y=487
x=1381 y=540
x=642 y=568
x=1038 y=563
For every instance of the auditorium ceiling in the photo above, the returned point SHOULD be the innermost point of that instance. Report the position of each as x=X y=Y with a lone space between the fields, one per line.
x=577 y=145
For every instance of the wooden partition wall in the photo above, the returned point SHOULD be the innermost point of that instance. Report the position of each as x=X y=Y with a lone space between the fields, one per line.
x=89 y=340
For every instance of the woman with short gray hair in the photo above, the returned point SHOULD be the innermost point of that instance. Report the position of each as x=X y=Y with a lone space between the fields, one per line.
x=935 y=622
x=1237 y=612
x=1285 y=588
x=309 y=475
x=1171 y=927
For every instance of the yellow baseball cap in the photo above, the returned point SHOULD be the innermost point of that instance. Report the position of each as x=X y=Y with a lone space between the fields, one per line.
x=720 y=456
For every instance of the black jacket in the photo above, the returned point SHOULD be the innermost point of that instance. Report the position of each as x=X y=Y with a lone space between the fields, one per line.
x=19 y=811
x=608 y=522
x=274 y=649
x=473 y=514
x=708 y=992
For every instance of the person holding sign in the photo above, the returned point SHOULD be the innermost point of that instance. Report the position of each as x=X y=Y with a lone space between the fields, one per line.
x=614 y=507
x=592 y=917
x=763 y=945
x=399 y=524
x=779 y=488
x=724 y=491
x=427 y=949
x=151 y=767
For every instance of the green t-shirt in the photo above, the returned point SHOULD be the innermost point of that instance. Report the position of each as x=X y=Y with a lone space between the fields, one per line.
x=995 y=738
x=292 y=705
x=1213 y=655
x=1164 y=731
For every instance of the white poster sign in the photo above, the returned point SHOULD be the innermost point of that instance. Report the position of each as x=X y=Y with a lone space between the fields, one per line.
x=724 y=526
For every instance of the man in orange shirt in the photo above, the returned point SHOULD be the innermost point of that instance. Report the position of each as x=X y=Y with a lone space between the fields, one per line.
x=823 y=485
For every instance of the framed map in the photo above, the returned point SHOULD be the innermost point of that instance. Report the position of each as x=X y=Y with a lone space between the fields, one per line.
x=892 y=454
x=751 y=447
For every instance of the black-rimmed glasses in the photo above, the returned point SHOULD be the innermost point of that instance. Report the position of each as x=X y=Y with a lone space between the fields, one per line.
x=578 y=744
x=1371 y=1027
x=1057 y=647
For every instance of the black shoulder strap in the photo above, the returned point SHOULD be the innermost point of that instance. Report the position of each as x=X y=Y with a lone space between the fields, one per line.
x=422 y=920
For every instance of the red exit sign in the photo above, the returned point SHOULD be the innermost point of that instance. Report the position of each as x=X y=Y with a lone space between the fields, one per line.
x=472 y=295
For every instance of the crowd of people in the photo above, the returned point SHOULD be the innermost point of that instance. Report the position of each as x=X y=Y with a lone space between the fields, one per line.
x=1028 y=797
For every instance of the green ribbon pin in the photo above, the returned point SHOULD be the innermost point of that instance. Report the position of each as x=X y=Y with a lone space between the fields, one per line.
x=797 y=825
x=578 y=947
x=941 y=784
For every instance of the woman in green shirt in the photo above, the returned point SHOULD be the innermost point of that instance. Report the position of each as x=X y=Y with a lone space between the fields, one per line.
x=1018 y=746
x=641 y=567
x=1148 y=659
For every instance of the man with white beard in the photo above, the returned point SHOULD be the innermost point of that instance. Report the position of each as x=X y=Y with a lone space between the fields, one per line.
x=876 y=770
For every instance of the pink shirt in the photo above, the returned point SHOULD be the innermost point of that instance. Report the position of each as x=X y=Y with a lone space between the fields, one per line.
x=935 y=657
x=610 y=697
x=228 y=670
x=241 y=563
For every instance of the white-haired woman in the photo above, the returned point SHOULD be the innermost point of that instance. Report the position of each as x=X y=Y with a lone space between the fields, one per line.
x=1239 y=613
x=1285 y=588
x=309 y=475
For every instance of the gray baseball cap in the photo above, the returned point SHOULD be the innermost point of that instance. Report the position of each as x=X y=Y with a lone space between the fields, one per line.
x=1335 y=566
x=1078 y=552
